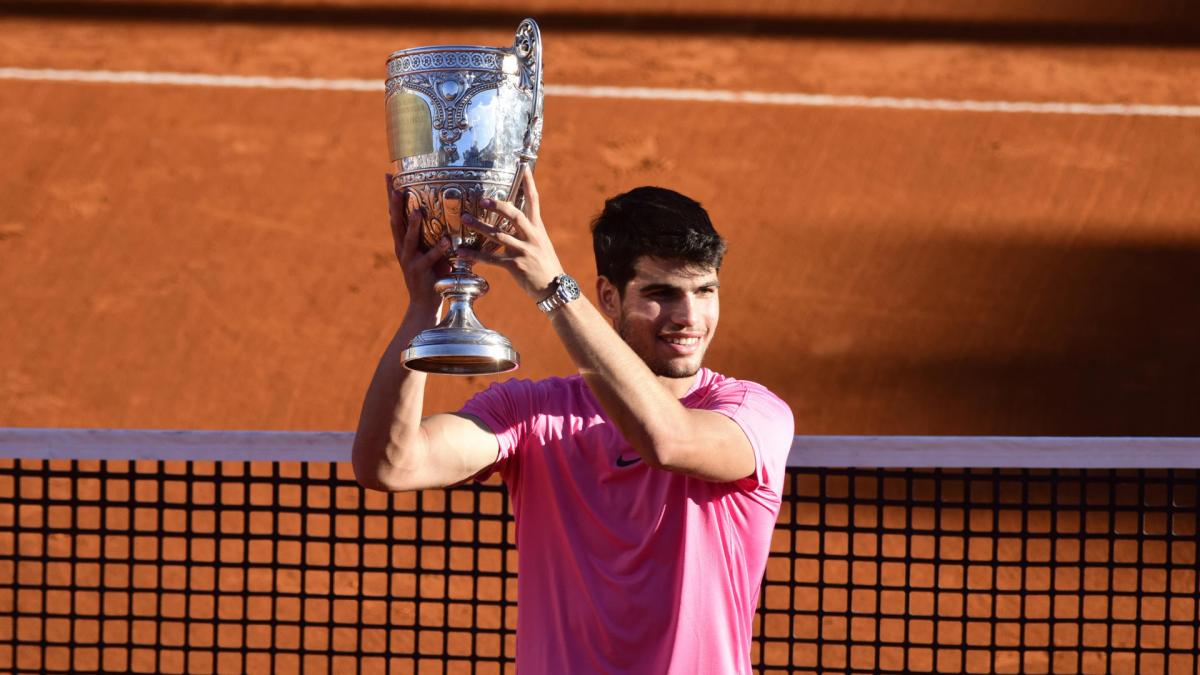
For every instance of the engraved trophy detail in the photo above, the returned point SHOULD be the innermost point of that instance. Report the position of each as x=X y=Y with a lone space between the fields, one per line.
x=463 y=122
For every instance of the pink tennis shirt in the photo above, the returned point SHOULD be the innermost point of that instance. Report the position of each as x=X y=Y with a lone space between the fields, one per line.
x=625 y=568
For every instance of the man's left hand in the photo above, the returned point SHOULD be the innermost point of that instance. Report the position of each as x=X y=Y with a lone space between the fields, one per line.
x=528 y=253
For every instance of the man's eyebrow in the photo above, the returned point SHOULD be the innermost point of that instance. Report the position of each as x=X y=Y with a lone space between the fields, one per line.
x=656 y=288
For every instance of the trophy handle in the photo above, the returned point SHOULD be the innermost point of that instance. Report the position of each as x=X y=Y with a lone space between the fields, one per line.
x=528 y=46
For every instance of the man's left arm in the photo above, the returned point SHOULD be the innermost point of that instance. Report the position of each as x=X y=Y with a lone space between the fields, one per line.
x=666 y=434
x=701 y=443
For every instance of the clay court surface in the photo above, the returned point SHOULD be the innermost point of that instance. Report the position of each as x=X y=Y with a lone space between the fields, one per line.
x=208 y=257
x=177 y=256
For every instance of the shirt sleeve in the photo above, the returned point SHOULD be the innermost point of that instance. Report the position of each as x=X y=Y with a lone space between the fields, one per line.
x=505 y=408
x=768 y=424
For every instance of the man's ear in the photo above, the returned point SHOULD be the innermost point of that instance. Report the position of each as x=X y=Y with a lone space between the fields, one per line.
x=609 y=296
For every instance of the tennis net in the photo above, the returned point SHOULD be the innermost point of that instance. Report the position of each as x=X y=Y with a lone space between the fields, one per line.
x=193 y=551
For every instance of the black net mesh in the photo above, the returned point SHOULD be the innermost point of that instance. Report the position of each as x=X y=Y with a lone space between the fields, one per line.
x=255 y=566
x=983 y=571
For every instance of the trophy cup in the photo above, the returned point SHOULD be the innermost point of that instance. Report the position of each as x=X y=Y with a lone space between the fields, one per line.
x=463 y=122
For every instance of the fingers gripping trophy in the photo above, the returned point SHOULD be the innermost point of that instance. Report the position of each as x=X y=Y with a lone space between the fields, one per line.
x=463 y=123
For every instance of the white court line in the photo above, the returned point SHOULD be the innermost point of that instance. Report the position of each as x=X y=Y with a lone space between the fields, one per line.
x=807 y=451
x=644 y=93
x=188 y=79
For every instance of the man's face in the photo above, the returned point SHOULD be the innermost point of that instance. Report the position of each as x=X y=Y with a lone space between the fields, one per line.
x=668 y=314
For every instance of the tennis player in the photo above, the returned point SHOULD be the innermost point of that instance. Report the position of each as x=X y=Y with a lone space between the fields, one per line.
x=646 y=487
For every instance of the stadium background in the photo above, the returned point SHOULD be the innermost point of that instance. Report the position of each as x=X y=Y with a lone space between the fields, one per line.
x=218 y=258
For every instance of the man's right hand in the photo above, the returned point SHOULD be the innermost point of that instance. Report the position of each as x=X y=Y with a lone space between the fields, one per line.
x=421 y=268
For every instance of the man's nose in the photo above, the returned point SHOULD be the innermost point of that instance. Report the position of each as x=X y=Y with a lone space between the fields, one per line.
x=686 y=311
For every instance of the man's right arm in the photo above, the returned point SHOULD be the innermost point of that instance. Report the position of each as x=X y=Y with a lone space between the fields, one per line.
x=394 y=449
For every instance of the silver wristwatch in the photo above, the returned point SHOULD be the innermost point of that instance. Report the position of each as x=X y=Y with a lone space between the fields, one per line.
x=563 y=289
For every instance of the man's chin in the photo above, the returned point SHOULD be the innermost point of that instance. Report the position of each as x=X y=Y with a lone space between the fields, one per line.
x=676 y=369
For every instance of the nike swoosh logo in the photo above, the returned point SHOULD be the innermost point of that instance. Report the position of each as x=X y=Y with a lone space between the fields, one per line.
x=622 y=463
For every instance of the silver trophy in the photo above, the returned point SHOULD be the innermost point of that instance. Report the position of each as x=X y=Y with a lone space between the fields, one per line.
x=463 y=122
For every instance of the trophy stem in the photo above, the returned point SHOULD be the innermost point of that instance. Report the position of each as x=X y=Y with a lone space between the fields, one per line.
x=460 y=344
x=460 y=290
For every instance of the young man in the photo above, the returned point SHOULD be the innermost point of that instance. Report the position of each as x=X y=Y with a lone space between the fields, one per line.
x=646 y=488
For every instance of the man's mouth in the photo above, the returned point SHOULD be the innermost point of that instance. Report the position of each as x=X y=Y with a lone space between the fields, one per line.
x=682 y=345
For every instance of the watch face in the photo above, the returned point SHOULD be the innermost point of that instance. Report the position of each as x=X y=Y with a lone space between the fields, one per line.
x=567 y=287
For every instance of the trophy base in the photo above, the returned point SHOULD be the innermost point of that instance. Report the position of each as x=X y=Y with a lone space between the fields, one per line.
x=460 y=351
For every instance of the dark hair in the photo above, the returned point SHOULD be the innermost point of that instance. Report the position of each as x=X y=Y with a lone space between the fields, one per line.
x=655 y=222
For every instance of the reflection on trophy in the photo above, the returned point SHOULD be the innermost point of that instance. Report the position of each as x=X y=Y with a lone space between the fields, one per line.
x=463 y=122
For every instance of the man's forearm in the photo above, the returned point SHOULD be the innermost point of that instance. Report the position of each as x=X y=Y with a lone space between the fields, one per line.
x=390 y=422
x=648 y=415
